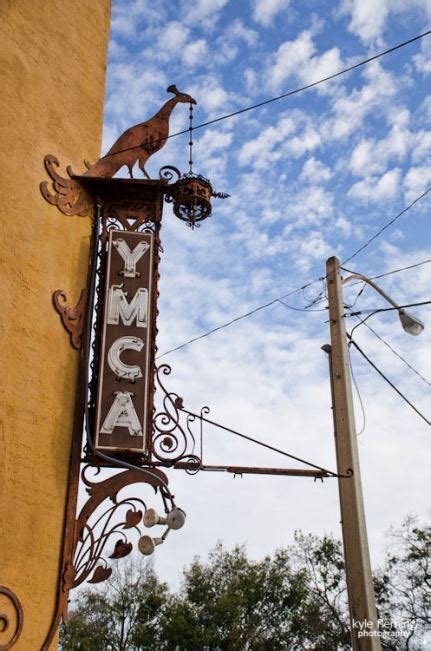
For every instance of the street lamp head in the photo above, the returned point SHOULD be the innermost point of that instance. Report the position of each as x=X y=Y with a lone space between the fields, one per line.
x=410 y=323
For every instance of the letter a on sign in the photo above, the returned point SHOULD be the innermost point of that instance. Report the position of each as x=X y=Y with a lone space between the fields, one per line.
x=123 y=409
x=122 y=414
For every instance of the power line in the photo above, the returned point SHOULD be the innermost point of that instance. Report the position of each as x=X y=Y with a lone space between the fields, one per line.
x=391 y=384
x=246 y=315
x=302 y=309
x=387 y=309
x=279 y=97
x=306 y=309
x=388 y=273
x=389 y=223
x=364 y=420
x=397 y=354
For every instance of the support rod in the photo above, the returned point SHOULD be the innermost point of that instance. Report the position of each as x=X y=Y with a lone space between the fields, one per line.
x=252 y=470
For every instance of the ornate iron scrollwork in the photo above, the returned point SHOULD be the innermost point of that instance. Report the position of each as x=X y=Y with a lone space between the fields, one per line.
x=99 y=528
x=173 y=438
x=5 y=621
x=69 y=195
x=71 y=317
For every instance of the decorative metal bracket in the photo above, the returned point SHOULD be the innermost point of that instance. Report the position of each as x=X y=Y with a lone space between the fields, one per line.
x=173 y=441
x=94 y=531
x=5 y=622
x=72 y=317
x=69 y=195
x=99 y=526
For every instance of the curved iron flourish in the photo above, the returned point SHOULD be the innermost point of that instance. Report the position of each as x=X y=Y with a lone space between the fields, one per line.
x=4 y=619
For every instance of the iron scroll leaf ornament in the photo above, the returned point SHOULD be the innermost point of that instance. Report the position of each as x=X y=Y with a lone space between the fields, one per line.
x=173 y=438
x=69 y=195
x=72 y=317
x=103 y=533
x=15 y=604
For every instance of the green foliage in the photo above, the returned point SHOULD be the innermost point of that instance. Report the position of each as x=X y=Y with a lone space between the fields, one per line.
x=123 y=616
x=294 y=600
x=403 y=587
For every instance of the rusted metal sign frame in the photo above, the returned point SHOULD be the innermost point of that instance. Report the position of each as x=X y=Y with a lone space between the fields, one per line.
x=127 y=382
x=134 y=206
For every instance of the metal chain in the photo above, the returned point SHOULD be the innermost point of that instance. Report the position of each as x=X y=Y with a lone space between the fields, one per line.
x=191 y=138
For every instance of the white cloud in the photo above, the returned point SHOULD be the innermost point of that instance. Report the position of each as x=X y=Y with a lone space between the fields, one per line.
x=205 y=12
x=416 y=181
x=194 y=52
x=145 y=85
x=315 y=171
x=264 y=11
x=259 y=151
x=421 y=146
x=173 y=36
x=127 y=17
x=211 y=95
x=368 y=17
x=373 y=156
x=298 y=58
x=375 y=189
x=314 y=246
x=228 y=44
x=423 y=59
x=350 y=110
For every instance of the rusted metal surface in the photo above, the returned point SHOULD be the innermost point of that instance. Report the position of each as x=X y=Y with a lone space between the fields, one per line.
x=191 y=198
x=15 y=604
x=128 y=205
x=257 y=470
x=139 y=142
x=98 y=529
x=71 y=317
x=69 y=195
x=173 y=438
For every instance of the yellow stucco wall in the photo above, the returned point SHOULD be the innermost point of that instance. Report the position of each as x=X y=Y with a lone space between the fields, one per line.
x=52 y=79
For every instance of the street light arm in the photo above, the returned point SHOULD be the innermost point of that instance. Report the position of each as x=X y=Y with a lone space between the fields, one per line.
x=411 y=324
x=373 y=285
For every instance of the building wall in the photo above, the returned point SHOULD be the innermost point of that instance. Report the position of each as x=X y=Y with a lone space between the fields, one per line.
x=52 y=76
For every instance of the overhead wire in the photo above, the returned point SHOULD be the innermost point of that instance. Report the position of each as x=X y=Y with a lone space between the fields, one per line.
x=280 y=300
x=385 y=226
x=364 y=419
x=387 y=309
x=279 y=97
x=395 y=352
x=391 y=384
x=389 y=273
x=242 y=316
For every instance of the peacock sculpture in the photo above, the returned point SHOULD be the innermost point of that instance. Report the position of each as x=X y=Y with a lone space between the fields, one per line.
x=139 y=142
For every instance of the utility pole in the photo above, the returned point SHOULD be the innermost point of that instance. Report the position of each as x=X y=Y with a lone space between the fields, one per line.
x=362 y=607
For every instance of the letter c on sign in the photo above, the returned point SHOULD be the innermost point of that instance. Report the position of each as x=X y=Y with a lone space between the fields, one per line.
x=118 y=367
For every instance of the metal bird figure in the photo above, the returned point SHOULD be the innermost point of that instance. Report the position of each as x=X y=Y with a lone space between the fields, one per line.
x=139 y=142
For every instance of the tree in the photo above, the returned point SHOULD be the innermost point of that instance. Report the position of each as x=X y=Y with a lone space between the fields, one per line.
x=294 y=600
x=231 y=602
x=404 y=587
x=121 y=616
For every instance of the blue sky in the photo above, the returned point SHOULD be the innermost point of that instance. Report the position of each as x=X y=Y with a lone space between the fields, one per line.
x=310 y=176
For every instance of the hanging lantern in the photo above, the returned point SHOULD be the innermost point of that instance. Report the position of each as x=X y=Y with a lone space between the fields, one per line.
x=191 y=194
x=192 y=199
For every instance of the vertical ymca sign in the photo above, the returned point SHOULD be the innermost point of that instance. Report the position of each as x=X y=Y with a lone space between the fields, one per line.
x=122 y=413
